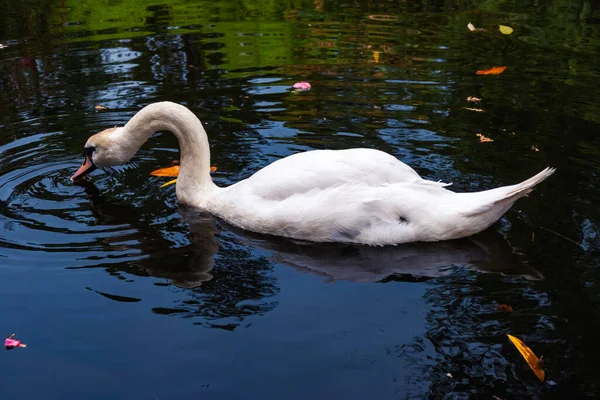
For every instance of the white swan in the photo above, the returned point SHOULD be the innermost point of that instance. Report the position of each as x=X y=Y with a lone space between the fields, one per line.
x=358 y=195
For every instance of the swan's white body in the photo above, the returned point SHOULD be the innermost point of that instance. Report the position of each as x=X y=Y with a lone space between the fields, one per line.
x=357 y=195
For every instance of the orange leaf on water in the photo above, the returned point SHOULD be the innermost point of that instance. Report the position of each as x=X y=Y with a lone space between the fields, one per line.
x=529 y=356
x=504 y=307
x=169 y=171
x=491 y=71
x=172 y=171
x=100 y=107
x=474 y=99
x=483 y=139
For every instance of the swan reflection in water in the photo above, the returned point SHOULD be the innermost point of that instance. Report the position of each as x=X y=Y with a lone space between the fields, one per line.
x=487 y=252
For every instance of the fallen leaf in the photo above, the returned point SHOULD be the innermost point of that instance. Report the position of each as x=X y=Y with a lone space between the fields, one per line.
x=473 y=99
x=376 y=57
x=169 y=183
x=534 y=148
x=533 y=236
x=172 y=171
x=472 y=28
x=504 y=307
x=2 y=46
x=99 y=107
x=169 y=171
x=506 y=30
x=449 y=375
x=474 y=109
x=529 y=356
x=483 y=139
x=491 y=71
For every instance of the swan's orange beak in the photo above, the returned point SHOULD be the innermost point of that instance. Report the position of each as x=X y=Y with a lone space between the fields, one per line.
x=87 y=167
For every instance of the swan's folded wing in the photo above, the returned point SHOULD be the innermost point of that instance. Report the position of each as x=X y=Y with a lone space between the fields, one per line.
x=324 y=169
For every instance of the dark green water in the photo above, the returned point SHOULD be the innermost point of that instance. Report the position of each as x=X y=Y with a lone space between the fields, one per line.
x=119 y=294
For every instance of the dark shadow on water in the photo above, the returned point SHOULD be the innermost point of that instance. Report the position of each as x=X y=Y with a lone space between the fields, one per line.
x=487 y=252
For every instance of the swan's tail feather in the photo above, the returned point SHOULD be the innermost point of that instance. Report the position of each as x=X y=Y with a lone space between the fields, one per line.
x=525 y=187
x=497 y=201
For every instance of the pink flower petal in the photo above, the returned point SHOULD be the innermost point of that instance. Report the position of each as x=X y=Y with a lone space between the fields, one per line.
x=302 y=86
x=11 y=343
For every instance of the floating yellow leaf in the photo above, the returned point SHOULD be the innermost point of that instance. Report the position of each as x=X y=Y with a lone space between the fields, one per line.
x=491 y=71
x=169 y=183
x=376 y=56
x=100 y=108
x=529 y=356
x=506 y=30
x=483 y=139
x=474 y=109
x=473 y=99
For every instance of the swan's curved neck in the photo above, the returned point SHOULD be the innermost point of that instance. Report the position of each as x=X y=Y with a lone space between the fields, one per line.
x=194 y=174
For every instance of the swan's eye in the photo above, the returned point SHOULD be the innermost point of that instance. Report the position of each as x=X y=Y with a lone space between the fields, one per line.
x=88 y=151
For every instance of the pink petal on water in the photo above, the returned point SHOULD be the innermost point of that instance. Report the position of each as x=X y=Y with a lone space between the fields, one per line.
x=11 y=343
x=302 y=86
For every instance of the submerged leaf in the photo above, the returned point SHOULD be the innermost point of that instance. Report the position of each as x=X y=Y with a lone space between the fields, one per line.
x=491 y=71
x=504 y=307
x=529 y=356
x=506 y=30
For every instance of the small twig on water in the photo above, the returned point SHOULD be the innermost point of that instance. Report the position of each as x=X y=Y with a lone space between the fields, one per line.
x=563 y=236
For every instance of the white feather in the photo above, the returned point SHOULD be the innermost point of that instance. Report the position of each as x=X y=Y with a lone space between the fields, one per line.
x=357 y=195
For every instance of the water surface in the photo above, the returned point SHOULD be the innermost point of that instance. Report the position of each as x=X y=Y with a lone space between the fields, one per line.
x=120 y=293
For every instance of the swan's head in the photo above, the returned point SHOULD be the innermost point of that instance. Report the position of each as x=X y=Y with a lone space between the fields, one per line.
x=108 y=148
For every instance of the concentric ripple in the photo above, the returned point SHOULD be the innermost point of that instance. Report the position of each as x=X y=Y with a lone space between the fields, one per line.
x=43 y=212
